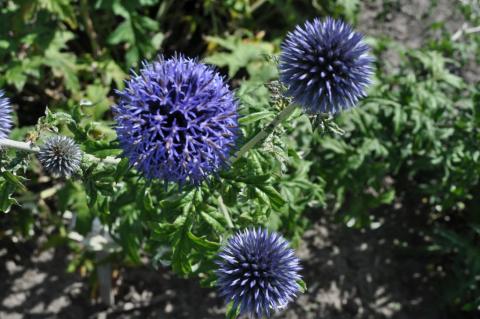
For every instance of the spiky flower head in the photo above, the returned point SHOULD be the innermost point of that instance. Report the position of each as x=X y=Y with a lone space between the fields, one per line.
x=5 y=116
x=258 y=272
x=326 y=66
x=60 y=156
x=177 y=120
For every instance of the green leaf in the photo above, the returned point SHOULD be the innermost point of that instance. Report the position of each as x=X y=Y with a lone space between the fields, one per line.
x=275 y=197
x=203 y=243
x=113 y=72
x=225 y=212
x=302 y=285
x=130 y=241
x=15 y=75
x=334 y=145
x=63 y=64
x=123 y=33
x=254 y=117
x=63 y=9
x=181 y=249
x=14 y=180
x=232 y=312
x=213 y=222
x=121 y=169
x=350 y=8
x=241 y=53
x=255 y=179
x=6 y=200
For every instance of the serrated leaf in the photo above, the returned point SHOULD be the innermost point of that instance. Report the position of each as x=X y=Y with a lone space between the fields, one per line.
x=15 y=75
x=14 y=180
x=204 y=243
x=6 y=200
x=123 y=33
x=63 y=9
x=63 y=64
x=181 y=248
x=213 y=222
x=274 y=196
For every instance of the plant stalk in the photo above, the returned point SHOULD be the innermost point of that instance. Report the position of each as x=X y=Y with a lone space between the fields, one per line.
x=22 y=146
x=280 y=118
x=90 y=30
x=28 y=147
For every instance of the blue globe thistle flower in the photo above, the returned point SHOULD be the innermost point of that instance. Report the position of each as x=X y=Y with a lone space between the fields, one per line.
x=325 y=65
x=258 y=272
x=177 y=120
x=5 y=116
x=60 y=156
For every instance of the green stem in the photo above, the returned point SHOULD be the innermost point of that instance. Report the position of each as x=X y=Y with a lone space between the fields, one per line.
x=90 y=30
x=280 y=118
x=257 y=5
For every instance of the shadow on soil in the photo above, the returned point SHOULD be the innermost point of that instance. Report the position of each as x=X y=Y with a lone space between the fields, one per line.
x=351 y=274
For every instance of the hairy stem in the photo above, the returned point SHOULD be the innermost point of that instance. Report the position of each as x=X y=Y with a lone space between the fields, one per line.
x=280 y=118
x=22 y=146
x=107 y=160
x=28 y=147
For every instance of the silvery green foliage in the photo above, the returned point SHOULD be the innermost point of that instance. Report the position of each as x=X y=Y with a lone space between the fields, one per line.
x=60 y=156
x=5 y=115
x=258 y=272
x=326 y=66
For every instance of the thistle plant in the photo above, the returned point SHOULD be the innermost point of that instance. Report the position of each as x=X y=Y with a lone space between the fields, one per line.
x=176 y=123
x=258 y=272
x=326 y=66
x=177 y=120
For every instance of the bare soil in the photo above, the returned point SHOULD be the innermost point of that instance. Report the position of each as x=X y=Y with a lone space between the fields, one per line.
x=351 y=274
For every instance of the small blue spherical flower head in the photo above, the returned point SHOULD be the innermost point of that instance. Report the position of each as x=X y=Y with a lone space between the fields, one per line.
x=5 y=116
x=60 y=156
x=177 y=120
x=258 y=272
x=325 y=65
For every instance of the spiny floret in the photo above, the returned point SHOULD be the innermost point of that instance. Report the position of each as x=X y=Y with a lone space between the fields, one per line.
x=177 y=120
x=325 y=65
x=60 y=156
x=5 y=116
x=258 y=272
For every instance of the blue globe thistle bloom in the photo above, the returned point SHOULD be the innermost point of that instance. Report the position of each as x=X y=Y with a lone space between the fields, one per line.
x=5 y=116
x=258 y=272
x=325 y=65
x=60 y=156
x=177 y=120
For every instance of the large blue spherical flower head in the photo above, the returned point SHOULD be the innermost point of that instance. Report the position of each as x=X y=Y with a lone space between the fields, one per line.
x=177 y=120
x=325 y=65
x=258 y=272
x=5 y=116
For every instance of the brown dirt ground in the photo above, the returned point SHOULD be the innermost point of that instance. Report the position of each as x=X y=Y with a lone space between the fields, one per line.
x=351 y=274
